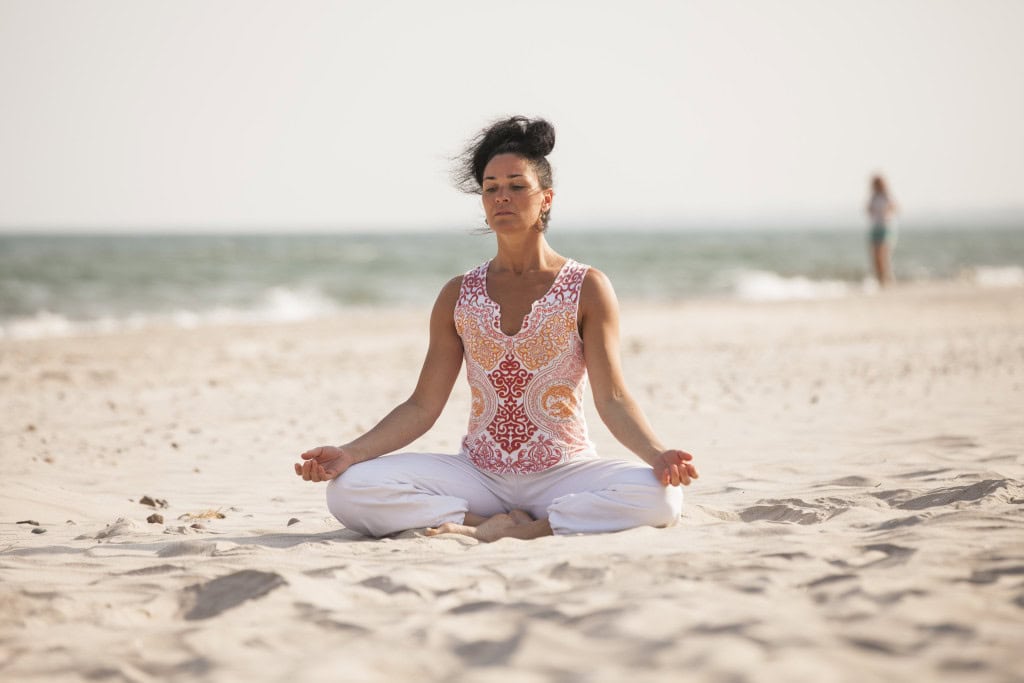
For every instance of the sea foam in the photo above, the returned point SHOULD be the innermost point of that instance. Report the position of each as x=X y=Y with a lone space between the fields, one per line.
x=760 y=285
x=277 y=305
x=998 y=276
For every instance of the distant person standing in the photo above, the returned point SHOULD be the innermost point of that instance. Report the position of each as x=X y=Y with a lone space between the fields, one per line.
x=882 y=211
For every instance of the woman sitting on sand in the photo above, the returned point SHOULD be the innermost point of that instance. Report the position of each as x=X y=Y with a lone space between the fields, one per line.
x=531 y=325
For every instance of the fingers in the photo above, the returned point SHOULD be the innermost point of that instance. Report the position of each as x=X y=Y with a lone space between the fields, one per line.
x=685 y=473
x=670 y=476
x=679 y=470
x=311 y=470
x=312 y=453
x=679 y=456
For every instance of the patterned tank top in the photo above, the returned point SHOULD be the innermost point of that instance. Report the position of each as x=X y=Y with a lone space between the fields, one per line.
x=527 y=389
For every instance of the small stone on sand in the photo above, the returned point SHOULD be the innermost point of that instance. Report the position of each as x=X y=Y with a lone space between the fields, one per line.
x=155 y=518
x=293 y=520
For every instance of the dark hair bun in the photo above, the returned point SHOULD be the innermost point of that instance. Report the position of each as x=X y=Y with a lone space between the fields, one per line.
x=530 y=138
x=538 y=136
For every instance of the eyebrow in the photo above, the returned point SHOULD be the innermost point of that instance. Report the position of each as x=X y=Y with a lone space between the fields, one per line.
x=513 y=175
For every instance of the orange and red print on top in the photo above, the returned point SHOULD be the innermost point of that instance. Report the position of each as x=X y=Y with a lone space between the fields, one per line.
x=527 y=389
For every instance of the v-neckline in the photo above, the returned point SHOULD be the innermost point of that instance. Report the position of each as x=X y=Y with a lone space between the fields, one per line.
x=526 y=318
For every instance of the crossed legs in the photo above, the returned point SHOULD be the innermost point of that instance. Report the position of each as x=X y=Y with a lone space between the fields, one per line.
x=515 y=524
x=448 y=494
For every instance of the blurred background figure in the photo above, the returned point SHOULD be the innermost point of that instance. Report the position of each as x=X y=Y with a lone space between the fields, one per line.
x=882 y=212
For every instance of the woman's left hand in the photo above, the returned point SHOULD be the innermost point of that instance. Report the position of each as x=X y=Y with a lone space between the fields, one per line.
x=675 y=468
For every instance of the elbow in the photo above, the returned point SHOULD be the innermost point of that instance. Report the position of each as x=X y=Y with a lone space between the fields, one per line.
x=602 y=405
x=429 y=419
x=608 y=404
x=426 y=413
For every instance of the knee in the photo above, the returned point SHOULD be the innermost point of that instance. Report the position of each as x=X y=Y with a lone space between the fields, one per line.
x=345 y=501
x=656 y=505
x=666 y=506
x=619 y=507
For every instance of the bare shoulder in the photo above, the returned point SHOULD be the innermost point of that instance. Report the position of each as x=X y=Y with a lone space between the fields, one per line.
x=449 y=293
x=452 y=286
x=598 y=308
x=443 y=315
x=597 y=290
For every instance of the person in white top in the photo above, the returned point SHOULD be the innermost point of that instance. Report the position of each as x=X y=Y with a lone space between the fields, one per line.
x=881 y=210
x=532 y=327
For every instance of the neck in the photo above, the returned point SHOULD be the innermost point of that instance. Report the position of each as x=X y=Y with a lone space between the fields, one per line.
x=521 y=253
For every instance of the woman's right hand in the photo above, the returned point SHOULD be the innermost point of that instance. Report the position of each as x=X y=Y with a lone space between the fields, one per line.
x=324 y=463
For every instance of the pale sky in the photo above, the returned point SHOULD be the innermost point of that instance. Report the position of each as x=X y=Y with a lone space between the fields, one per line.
x=255 y=115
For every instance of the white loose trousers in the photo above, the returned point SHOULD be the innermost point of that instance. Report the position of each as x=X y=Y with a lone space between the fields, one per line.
x=393 y=493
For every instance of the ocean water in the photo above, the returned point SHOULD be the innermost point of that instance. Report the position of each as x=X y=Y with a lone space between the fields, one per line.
x=64 y=284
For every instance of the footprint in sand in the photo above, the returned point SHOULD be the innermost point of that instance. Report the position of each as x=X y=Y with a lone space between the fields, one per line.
x=853 y=481
x=1003 y=490
x=566 y=571
x=892 y=555
x=209 y=599
x=155 y=569
x=891 y=524
x=993 y=574
x=181 y=548
x=489 y=652
x=950 y=441
x=795 y=510
x=386 y=585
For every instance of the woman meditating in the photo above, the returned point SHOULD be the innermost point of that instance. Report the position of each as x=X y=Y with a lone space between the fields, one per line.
x=531 y=325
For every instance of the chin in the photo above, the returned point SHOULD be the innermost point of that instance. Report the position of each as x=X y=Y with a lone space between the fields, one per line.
x=508 y=224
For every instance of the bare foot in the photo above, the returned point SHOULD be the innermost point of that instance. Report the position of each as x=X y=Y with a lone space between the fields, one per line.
x=488 y=530
x=516 y=524
x=494 y=528
x=450 y=528
x=520 y=517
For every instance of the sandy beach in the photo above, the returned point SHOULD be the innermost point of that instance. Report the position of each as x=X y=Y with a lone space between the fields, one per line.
x=859 y=517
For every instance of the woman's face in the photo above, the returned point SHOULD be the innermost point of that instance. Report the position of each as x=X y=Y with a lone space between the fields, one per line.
x=512 y=195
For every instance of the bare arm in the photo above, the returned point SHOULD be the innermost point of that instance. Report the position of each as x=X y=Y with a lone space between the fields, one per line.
x=599 y=319
x=413 y=417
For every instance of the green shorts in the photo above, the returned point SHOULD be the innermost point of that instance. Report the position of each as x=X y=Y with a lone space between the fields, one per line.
x=879 y=233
